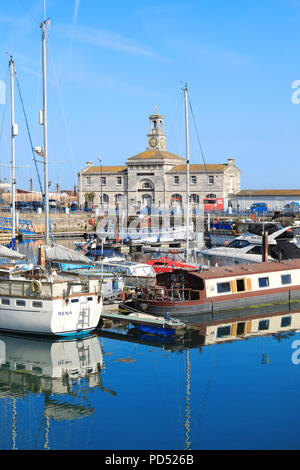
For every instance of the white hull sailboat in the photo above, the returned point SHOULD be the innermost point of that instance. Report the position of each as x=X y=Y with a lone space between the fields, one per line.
x=37 y=300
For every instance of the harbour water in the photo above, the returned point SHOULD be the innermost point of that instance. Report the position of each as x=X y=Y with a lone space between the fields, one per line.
x=120 y=389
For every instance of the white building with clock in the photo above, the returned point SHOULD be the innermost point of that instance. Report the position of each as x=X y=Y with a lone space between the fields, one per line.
x=156 y=177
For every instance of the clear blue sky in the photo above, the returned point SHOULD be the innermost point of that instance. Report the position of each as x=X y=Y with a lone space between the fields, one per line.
x=111 y=62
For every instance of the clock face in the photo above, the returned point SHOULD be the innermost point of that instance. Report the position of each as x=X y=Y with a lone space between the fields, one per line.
x=153 y=141
x=162 y=141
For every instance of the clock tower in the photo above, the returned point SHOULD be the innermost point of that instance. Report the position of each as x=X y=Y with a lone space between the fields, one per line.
x=156 y=137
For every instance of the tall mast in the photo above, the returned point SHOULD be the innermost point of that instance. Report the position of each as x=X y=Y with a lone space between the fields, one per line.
x=187 y=172
x=44 y=123
x=14 y=133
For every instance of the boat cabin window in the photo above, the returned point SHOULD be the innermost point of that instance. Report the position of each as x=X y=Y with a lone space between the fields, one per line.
x=286 y=321
x=223 y=287
x=286 y=279
x=5 y=301
x=240 y=329
x=240 y=285
x=37 y=304
x=223 y=331
x=263 y=282
x=90 y=299
x=238 y=244
x=20 y=303
x=263 y=325
x=256 y=250
x=74 y=300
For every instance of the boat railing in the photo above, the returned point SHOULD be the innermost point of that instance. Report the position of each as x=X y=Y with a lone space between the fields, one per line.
x=172 y=294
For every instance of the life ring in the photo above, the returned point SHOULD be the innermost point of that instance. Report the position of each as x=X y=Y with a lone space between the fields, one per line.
x=36 y=286
x=91 y=221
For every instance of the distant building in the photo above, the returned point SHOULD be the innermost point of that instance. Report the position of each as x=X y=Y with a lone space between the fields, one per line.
x=157 y=176
x=275 y=199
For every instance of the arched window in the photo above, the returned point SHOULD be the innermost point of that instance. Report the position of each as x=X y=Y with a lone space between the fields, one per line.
x=176 y=199
x=211 y=196
x=118 y=198
x=105 y=198
x=154 y=124
x=147 y=185
x=194 y=198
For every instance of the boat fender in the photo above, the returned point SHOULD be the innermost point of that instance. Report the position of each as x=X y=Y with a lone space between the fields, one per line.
x=91 y=221
x=36 y=286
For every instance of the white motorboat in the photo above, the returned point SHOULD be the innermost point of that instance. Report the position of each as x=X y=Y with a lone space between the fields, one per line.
x=247 y=248
x=134 y=274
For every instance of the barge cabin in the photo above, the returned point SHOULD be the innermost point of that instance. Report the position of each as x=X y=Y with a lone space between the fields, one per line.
x=192 y=292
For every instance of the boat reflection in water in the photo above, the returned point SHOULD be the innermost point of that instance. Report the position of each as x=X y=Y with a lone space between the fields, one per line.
x=219 y=327
x=59 y=370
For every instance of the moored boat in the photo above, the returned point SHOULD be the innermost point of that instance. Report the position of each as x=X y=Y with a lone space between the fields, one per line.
x=166 y=265
x=187 y=293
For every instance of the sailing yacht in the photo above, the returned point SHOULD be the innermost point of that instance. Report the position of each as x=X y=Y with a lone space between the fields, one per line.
x=38 y=300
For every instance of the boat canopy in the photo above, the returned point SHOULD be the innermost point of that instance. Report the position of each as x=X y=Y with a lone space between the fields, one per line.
x=11 y=254
x=61 y=254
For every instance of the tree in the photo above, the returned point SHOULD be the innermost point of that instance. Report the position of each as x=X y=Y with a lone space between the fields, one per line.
x=89 y=197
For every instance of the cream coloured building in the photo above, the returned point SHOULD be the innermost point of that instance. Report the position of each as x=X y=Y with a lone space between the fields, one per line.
x=156 y=177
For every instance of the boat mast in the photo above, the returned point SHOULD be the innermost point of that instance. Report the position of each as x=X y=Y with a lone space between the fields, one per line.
x=44 y=123
x=14 y=133
x=187 y=172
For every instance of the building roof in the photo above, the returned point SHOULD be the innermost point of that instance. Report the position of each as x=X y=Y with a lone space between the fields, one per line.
x=155 y=155
x=105 y=169
x=268 y=192
x=199 y=168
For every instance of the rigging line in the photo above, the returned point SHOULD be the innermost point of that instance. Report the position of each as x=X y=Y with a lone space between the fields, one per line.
x=28 y=131
x=60 y=101
x=198 y=139
x=31 y=144
x=3 y=115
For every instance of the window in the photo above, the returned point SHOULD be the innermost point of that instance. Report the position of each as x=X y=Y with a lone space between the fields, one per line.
x=263 y=282
x=119 y=179
x=20 y=303
x=103 y=180
x=147 y=185
x=286 y=279
x=88 y=180
x=223 y=287
x=263 y=325
x=37 y=304
x=223 y=331
x=74 y=300
x=286 y=321
x=90 y=299
x=176 y=179
x=240 y=329
x=195 y=198
x=240 y=285
x=211 y=180
x=193 y=179
x=5 y=301
x=256 y=250
x=238 y=243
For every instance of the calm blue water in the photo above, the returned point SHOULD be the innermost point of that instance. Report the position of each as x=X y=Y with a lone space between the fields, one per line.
x=121 y=390
x=118 y=394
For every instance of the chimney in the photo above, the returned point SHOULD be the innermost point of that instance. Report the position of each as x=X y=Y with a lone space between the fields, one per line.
x=230 y=161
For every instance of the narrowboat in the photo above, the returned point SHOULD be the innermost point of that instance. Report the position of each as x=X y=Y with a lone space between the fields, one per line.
x=184 y=293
